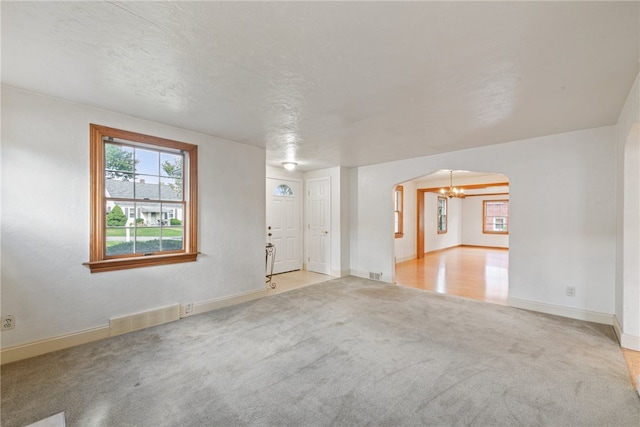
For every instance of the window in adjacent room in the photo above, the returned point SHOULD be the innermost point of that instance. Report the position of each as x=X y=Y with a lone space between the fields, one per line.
x=397 y=210
x=143 y=200
x=495 y=216
x=442 y=215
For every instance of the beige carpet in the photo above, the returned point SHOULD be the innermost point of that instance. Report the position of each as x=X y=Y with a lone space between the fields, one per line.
x=345 y=352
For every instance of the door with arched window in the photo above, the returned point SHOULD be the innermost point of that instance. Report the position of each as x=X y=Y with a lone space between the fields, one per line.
x=284 y=223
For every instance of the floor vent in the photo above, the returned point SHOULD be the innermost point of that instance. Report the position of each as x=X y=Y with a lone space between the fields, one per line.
x=374 y=276
x=134 y=322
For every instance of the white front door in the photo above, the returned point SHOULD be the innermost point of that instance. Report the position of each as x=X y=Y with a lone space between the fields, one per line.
x=319 y=227
x=283 y=223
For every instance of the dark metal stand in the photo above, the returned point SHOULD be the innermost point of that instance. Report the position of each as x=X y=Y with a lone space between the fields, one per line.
x=270 y=252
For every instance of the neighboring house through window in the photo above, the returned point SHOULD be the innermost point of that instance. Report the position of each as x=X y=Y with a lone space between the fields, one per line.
x=143 y=200
x=495 y=216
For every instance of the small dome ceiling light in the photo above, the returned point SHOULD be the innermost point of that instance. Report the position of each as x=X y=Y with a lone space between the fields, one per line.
x=289 y=165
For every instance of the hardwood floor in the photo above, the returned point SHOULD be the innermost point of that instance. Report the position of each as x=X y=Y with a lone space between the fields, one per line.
x=633 y=363
x=465 y=271
x=477 y=273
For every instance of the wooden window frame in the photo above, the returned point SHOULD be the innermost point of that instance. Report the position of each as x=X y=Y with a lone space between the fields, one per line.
x=446 y=215
x=484 y=217
x=399 y=208
x=98 y=259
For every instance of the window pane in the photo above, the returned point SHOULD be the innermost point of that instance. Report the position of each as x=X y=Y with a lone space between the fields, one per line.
x=118 y=189
x=283 y=190
x=148 y=235
x=172 y=236
x=146 y=187
x=118 y=162
x=151 y=214
x=147 y=162
x=120 y=240
x=171 y=165
x=173 y=214
x=396 y=216
x=442 y=215
x=170 y=189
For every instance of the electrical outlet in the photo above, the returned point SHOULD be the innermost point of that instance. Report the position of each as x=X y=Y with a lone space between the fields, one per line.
x=188 y=308
x=8 y=322
x=571 y=291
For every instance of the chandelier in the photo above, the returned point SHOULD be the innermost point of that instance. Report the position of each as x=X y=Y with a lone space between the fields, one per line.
x=452 y=191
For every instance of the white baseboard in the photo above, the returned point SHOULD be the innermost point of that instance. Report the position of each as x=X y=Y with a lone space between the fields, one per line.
x=217 y=303
x=37 y=348
x=406 y=258
x=572 y=313
x=340 y=273
x=631 y=342
x=617 y=328
x=358 y=273
x=122 y=325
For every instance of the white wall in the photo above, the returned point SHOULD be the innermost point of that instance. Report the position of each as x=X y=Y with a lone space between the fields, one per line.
x=561 y=232
x=472 y=210
x=627 y=284
x=45 y=223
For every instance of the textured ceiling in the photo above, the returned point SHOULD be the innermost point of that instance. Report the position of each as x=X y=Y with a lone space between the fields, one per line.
x=334 y=83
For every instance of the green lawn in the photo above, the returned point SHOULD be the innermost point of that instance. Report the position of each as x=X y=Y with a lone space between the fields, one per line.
x=145 y=232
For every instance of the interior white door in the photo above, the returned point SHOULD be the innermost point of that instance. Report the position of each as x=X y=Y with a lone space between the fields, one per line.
x=284 y=223
x=319 y=227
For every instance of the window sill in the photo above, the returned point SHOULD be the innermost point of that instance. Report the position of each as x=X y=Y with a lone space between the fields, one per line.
x=137 y=262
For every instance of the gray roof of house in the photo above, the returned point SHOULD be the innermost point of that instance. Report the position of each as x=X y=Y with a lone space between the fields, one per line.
x=124 y=190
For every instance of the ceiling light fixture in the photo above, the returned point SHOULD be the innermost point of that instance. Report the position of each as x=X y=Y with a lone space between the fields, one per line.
x=452 y=191
x=289 y=165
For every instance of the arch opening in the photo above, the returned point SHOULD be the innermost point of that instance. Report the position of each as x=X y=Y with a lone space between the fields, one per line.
x=445 y=233
x=631 y=238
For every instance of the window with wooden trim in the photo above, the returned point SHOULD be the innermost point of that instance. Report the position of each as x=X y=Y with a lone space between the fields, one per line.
x=152 y=179
x=442 y=215
x=495 y=216
x=398 y=206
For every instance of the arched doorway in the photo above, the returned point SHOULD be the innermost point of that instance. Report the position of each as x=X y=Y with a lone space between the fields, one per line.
x=631 y=241
x=461 y=235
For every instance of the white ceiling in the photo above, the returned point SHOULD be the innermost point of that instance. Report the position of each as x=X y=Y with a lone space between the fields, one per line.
x=334 y=83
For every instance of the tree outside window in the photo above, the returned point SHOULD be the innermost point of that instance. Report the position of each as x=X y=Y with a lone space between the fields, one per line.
x=154 y=180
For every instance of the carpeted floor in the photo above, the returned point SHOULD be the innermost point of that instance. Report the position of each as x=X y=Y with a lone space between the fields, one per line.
x=345 y=352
